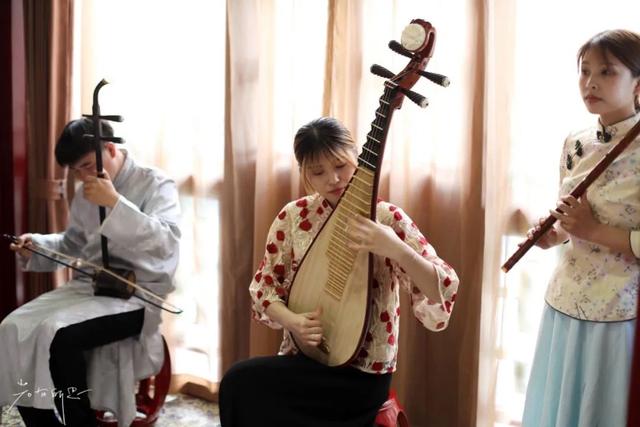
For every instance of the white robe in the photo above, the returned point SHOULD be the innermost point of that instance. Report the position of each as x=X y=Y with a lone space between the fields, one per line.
x=143 y=236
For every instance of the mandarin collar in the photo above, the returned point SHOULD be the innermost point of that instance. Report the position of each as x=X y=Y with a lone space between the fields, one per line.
x=615 y=131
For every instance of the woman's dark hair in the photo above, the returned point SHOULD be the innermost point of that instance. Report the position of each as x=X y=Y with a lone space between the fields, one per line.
x=623 y=44
x=71 y=147
x=323 y=136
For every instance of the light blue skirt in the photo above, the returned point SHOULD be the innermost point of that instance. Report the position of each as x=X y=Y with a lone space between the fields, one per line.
x=580 y=373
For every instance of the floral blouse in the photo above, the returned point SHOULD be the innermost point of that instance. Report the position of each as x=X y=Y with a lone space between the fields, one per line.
x=291 y=234
x=592 y=282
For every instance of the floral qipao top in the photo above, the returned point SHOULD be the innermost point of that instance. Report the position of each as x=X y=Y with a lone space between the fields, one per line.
x=291 y=234
x=592 y=282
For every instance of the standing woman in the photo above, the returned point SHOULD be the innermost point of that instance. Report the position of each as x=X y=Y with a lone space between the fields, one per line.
x=581 y=368
x=291 y=389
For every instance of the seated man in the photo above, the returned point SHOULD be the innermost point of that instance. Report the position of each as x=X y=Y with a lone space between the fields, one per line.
x=44 y=343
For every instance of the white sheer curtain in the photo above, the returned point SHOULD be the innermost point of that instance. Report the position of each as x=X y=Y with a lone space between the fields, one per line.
x=165 y=62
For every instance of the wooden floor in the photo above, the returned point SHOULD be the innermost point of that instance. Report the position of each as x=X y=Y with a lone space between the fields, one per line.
x=178 y=411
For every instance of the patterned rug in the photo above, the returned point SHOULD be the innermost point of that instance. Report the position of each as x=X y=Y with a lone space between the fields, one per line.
x=179 y=411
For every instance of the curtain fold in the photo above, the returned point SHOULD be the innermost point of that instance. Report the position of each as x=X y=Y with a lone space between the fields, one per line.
x=48 y=40
x=237 y=209
x=499 y=65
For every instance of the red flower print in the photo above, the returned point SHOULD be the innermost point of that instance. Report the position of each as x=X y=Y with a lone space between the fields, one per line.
x=453 y=297
x=424 y=253
x=280 y=235
x=266 y=303
x=259 y=294
x=279 y=269
x=440 y=325
x=446 y=282
x=397 y=216
x=320 y=210
x=392 y=208
x=389 y=327
x=325 y=204
x=280 y=291
x=305 y=225
x=304 y=212
x=272 y=248
x=398 y=311
x=401 y=234
x=302 y=203
x=384 y=316
x=377 y=366
x=422 y=240
x=268 y=280
x=391 y=340
x=258 y=277
x=447 y=305
x=282 y=215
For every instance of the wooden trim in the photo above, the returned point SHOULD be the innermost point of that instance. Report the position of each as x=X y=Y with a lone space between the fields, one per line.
x=12 y=149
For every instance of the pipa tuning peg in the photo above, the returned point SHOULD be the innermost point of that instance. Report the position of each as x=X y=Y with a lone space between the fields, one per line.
x=398 y=48
x=436 y=78
x=380 y=71
x=418 y=99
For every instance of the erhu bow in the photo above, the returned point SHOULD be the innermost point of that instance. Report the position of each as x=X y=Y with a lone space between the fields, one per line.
x=76 y=265
x=332 y=275
x=577 y=192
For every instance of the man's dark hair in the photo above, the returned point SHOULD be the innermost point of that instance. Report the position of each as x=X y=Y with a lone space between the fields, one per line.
x=71 y=147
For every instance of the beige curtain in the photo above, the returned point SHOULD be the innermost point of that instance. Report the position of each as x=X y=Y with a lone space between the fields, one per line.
x=237 y=212
x=499 y=86
x=48 y=39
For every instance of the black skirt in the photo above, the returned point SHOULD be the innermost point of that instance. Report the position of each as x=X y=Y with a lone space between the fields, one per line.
x=296 y=391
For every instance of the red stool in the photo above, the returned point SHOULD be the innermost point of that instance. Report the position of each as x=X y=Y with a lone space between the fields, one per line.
x=391 y=413
x=150 y=397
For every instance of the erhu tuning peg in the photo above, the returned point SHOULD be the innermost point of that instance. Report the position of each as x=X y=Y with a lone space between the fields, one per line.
x=398 y=48
x=111 y=118
x=114 y=139
x=418 y=99
x=438 y=79
x=379 y=70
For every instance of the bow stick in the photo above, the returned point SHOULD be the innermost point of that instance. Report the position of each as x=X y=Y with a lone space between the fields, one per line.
x=77 y=262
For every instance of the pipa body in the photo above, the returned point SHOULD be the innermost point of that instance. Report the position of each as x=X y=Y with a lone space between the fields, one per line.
x=332 y=276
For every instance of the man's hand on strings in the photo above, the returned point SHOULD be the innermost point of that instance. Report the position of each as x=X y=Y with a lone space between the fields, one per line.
x=100 y=190
x=365 y=234
x=23 y=240
x=576 y=216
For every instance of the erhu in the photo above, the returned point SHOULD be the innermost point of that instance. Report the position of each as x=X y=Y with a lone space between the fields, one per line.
x=106 y=284
x=107 y=281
